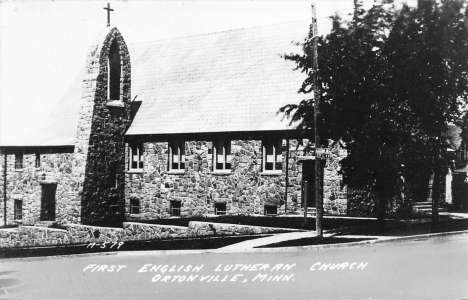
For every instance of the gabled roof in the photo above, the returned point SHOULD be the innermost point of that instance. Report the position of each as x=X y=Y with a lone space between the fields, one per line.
x=222 y=82
x=60 y=127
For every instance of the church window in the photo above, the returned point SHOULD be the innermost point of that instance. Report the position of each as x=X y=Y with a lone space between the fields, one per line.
x=134 y=206
x=272 y=155
x=37 y=163
x=113 y=72
x=177 y=155
x=175 y=208
x=18 y=160
x=220 y=208
x=136 y=157
x=222 y=155
x=18 y=210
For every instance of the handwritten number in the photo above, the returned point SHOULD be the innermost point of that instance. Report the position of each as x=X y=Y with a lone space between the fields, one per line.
x=104 y=245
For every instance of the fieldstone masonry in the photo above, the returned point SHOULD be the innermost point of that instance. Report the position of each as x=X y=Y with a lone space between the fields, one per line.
x=245 y=189
x=95 y=187
x=100 y=138
x=26 y=184
x=334 y=193
x=81 y=173
x=25 y=236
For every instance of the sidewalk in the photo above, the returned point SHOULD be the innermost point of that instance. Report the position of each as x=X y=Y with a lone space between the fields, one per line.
x=281 y=237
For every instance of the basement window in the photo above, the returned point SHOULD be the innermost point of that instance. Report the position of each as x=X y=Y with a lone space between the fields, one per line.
x=271 y=210
x=222 y=155
x=220 y=209
x=177 y=156
x=18 y=210
x=134 y=206
x=175 y=208
x=272 y=155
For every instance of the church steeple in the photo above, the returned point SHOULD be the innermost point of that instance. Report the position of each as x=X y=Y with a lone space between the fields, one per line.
x=104 y=117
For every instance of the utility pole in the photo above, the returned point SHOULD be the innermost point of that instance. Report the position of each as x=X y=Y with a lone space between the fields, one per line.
x=306 y=187
x=318 y=164
x=5 y=188
x=287 y=177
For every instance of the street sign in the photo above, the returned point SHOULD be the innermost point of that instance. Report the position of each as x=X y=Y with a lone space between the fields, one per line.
x=322 y=152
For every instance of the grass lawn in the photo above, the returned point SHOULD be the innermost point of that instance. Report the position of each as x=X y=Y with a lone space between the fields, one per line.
x=294 y=222
x=393 y=228
x=408 y=227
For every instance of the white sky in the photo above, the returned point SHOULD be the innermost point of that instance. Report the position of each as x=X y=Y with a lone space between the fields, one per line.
x=43 y=44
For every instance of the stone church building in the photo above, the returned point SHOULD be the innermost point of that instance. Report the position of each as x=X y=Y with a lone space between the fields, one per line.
x=172 y=128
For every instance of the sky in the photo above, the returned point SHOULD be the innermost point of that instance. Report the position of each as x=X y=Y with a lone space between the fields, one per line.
x=43 y=44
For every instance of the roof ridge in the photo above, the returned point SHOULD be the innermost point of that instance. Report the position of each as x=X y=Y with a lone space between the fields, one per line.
x=216 y=32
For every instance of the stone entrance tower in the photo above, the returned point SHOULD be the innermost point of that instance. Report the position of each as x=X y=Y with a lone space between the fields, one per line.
x=103 y=120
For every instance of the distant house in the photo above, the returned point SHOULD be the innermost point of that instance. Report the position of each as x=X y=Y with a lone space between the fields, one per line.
x=456 y=180
x=172 y=128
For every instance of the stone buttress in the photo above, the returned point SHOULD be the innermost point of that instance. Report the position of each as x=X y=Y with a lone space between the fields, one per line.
x=104 y=117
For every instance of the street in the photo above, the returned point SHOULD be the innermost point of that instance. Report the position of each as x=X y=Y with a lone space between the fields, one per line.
x=434 y=268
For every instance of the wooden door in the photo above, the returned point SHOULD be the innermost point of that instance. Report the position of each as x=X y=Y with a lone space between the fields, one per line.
x=48 y=202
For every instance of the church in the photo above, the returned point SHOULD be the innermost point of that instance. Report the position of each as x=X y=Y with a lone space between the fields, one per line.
x=184 y=127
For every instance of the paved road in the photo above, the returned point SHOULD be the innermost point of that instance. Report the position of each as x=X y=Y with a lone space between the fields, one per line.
x=436 y=268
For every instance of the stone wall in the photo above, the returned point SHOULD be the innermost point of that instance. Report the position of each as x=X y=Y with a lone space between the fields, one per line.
x=246 y=189
x=334 y=193
x=78 y=234
x=26 y=185
x=100 y=138
x=26 y=236
x=223 y=229
x=140 y=231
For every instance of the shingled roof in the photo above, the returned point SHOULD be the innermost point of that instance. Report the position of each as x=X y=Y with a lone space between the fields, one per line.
x=222 y=82
x=60 y=127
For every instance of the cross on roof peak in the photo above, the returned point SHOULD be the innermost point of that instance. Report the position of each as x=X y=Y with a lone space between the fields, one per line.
x=108 y=13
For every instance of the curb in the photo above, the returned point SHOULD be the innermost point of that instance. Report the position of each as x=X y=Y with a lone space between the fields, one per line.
x=344 y=245
x=294 y=249
x=250 y=250
x=36 y=258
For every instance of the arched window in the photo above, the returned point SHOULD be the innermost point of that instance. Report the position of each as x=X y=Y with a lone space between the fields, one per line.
x=113 y=74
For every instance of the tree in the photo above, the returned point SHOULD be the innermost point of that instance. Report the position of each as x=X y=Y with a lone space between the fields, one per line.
x=428 y=51
x=388 y=91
